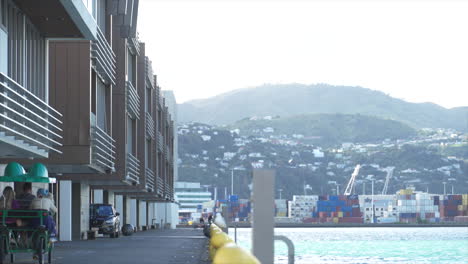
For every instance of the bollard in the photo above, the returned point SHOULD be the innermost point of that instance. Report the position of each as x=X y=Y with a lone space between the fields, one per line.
x=230 y=253
x=218 y=239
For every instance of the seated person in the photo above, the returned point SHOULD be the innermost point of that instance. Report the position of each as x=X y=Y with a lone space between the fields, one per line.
x=8 y=202
x=43 y=202
x=26 y=197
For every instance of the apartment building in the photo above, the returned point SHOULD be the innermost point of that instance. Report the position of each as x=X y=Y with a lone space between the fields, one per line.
x=79 y=95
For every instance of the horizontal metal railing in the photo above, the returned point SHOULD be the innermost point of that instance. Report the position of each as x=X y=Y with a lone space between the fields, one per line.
x=102 y=149
x=134 y=44
x=160 y=185
x=133 y=169
x=150 y=178
x=133 y=100
x=150 y=127
x=149 y=71
x=28 y=118
x=104 y=58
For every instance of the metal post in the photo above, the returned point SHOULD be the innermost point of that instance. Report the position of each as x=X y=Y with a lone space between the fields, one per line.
x=453 y=190
x=337 y=189
x=290 y=246
x=445 y=193
x=364 y=188
x=235 y=232
x=263 y=215
x=232 y=182
x=372 y=201
x=280 y=190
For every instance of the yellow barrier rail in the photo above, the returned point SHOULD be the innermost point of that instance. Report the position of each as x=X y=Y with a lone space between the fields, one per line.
x=223 y=250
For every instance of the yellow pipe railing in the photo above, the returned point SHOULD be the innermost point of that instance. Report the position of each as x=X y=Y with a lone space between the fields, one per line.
x=223 y=250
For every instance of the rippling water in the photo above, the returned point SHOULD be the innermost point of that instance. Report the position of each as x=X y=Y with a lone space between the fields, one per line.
x=369 y=245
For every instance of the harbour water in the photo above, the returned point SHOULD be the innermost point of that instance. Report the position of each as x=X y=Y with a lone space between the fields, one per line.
x=369 y=245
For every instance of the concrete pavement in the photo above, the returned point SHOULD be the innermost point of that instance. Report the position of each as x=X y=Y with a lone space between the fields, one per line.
x=179 y=246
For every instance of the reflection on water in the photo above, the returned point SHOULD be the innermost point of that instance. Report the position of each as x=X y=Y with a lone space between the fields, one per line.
x=370 y=245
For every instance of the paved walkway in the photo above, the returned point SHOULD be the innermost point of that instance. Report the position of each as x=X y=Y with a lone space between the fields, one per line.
x=179 y=246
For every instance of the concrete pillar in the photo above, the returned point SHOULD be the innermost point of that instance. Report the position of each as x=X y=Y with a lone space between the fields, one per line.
x=80 y=210
x=263 y=215
x=160 y=217
x=174 y=215
x=65 y=211
x=109 y=198
x=133 y=212
x=142 y=221
x=119 y=206
x=126 y=210
x=98 y=196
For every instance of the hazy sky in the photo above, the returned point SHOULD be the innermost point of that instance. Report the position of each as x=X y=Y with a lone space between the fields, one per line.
x=414 y=50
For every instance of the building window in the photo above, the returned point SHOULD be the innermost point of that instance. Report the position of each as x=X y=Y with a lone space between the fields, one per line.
x=102 y=96
x=148 y=100
x=131 y=131
x=131 y=68
x=26 y=51
x=101 y=15
x=2 y=14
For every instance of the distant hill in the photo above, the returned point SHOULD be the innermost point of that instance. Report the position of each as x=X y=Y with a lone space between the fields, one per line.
x=328 y=129
x=296 y=99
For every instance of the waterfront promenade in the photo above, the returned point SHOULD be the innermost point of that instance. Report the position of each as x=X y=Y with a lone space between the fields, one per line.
x=179 y=246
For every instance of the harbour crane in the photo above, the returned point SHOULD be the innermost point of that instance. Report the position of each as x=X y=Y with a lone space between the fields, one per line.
x=387 y=179
x=349 y=187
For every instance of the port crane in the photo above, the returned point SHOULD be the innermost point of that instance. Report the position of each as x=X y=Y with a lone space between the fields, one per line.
x=349 y=187
x=387 y=179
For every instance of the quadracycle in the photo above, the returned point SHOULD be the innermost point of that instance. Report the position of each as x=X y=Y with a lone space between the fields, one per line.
x=25 y=230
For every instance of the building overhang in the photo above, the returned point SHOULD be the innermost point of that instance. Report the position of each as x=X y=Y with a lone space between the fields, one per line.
x=60 y=18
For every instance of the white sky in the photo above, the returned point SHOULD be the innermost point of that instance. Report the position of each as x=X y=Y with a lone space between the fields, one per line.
x=414 y=50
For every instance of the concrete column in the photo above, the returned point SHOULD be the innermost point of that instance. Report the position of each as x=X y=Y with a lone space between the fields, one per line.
x=142 y=219
x=160 y=217
x=119 y=208
x=109 y=198
x=133 y=212
x=65 y=211
x=263 y=215
x=80 y=210
x=127 y=209
x=98 y=196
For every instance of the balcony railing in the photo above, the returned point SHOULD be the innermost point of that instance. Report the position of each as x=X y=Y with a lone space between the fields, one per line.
x=150 y=176
x=102 y=149
x=150 y=129
x=104 y=58
x=133 y=100
x=160 y=185
x=166 y=190
x=134 y=44
x=133 y=169
x=160 y=142
x=149 y=71
x=27 y=120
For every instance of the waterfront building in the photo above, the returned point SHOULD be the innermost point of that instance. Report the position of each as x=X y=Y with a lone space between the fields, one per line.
x=81 y=97
x=191 y=197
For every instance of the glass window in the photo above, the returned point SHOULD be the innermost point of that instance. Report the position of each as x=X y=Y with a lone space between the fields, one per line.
x=129 y=135
x=131 y=67
x=101 y=104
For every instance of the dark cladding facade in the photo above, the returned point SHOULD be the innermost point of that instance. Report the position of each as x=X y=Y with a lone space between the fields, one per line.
x=98 y=118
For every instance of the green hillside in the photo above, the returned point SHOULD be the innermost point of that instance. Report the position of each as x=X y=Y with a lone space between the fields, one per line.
x=329 y=129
